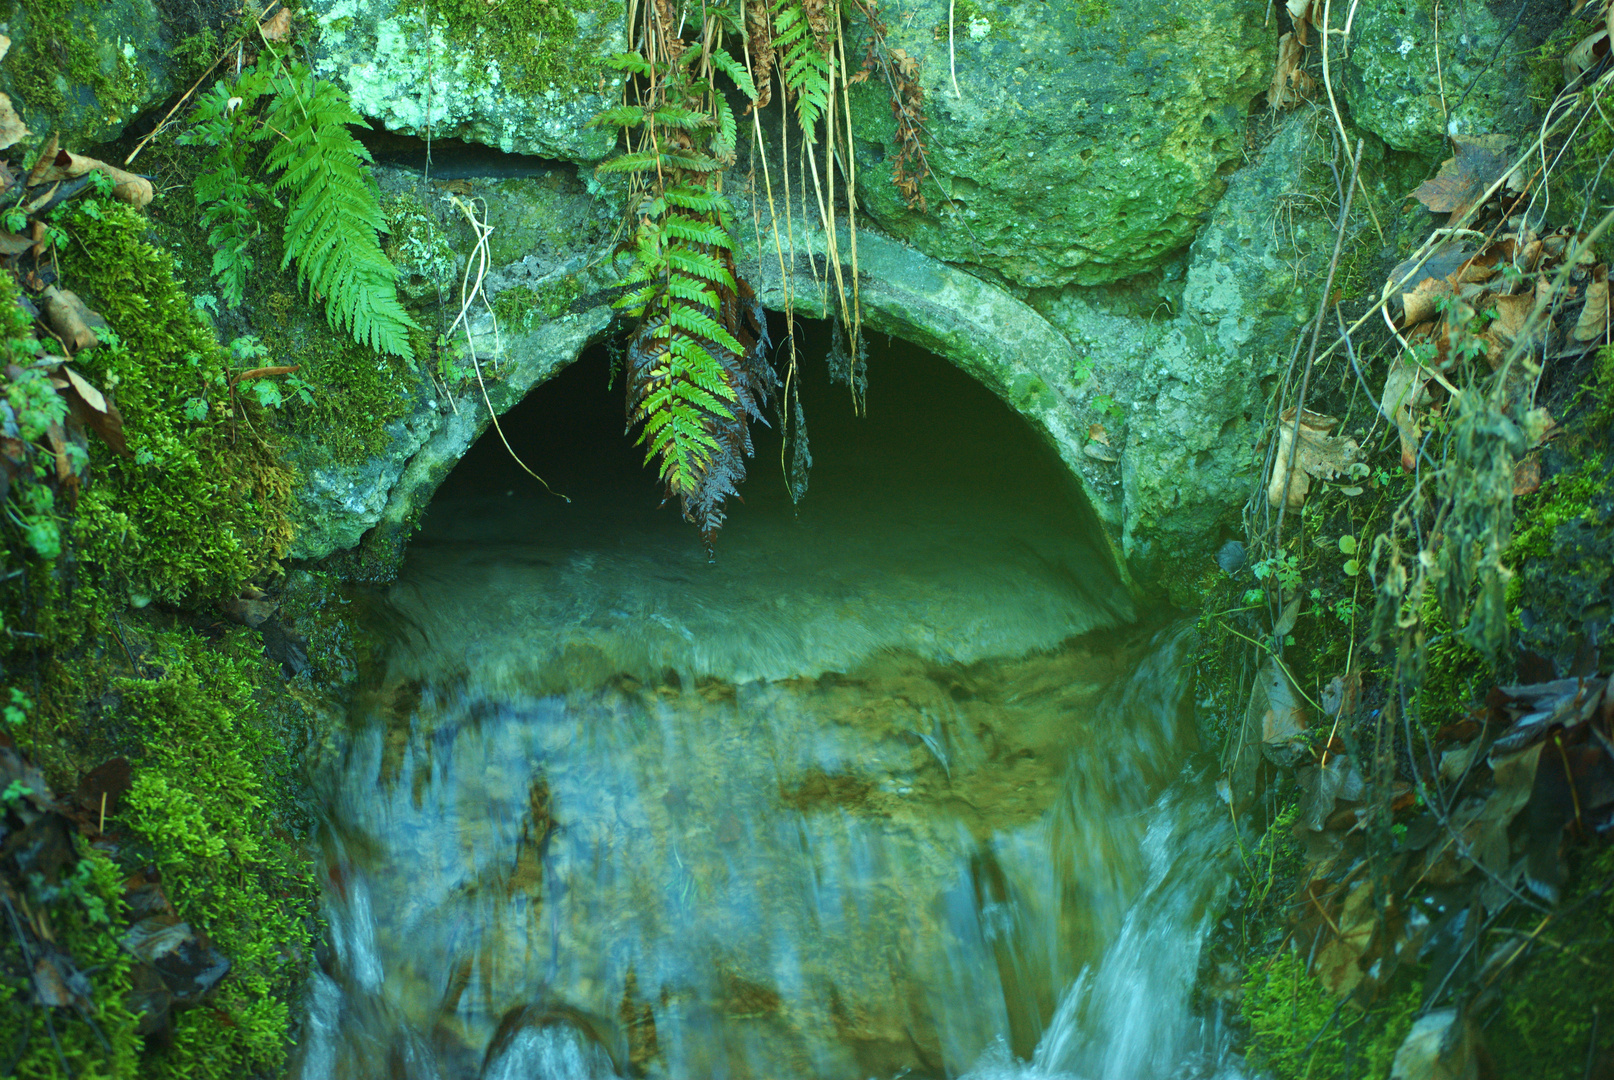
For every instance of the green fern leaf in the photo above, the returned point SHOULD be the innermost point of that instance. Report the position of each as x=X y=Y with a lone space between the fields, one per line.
x=700 y=264
x=619 y=116
x=335 y=214
x=737 y=72
x=696 y=231
x=696 y=321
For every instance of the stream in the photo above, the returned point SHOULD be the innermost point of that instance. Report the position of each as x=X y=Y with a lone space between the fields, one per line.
x=900 y=784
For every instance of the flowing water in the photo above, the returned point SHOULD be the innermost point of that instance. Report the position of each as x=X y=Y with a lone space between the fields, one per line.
x=896 y=786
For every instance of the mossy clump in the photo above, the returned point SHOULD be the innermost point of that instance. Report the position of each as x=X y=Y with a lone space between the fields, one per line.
x=200 y=506
x=60 y=52
x=1559 y=1003
x=536 y=39
x=521 y=307
x=1298 y=1029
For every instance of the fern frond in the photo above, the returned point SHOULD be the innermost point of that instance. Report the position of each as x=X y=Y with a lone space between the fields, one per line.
x=696 y=231
x=735 y=71
x=699 y=263
x=619 y=116
x=335 y=214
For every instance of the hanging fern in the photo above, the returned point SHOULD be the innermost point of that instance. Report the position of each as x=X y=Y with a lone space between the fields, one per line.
x=696 y=367
x=334 y=213
x=801 y=29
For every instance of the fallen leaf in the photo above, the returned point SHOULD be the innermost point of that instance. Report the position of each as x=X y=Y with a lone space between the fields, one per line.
x=1593 y=321
x=1527 y=476
x=1481 y=161
x=1318 y=455
x=278 y=26
x=1097 y=433
x=1274 y=701
x=92 y=397
x=1421 y=304
x=1440 y=1046
x=1290 y=85
x=1403 y=391
x=250 y=613
x=12 y=129
x=1336 y=963
x=12 y=244
x=43 y=161
x=1586 y=54
x=66 y=165
x=74 y=323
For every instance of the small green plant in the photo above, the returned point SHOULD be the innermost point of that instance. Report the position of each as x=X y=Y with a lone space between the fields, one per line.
x=334 y=215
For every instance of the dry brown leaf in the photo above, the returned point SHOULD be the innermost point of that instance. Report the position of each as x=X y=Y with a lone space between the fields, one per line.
x=1593 y=321
x=1585 y=55
x=1290 y=85
x=12 y=244
x=66 y=165
x=12 y=129
x=250 y=612
x=1481 y=161
x=1336 y=964
x=278 y=26
x=92 y=397
x=1404 y=390
x=1097 y=433
x=1527 y=476
x=1420 y=304
x=1318 y=455
x=66 y=314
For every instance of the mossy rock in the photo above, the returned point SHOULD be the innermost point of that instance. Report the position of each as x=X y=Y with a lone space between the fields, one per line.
x=1397 y=88
x=1084 y=139
x=524 y=76
x=85 y=69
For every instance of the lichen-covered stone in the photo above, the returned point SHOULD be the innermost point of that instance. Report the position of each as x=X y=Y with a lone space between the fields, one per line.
x=524 y=92
x=1396 y=89
x=1084 y=142
x=1194 y=401
x=85 y=69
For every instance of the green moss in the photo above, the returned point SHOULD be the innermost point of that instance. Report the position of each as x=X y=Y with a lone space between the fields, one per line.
x=520 y=308
x=80 y=917
x=200 y=505
x=60 y=50
x=1297 y=1029
x=204 y=805
x=536 y=39
x=1545 y=1026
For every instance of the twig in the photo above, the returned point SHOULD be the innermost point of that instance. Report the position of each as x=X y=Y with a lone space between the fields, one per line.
x=468 y=294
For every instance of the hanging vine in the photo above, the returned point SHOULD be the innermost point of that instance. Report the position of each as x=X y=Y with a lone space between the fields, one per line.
x=697 y=368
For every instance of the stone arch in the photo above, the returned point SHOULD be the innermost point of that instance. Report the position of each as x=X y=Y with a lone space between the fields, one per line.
x=995 y=338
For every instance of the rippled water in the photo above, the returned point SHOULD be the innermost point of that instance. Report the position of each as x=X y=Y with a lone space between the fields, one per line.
x=887 y=790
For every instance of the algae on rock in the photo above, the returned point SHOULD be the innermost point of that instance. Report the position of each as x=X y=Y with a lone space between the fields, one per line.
x=1082 y=147
x=422 y=70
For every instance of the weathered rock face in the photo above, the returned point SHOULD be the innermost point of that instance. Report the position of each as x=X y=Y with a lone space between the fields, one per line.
x=1396 y=89
x=85 y=69
x=1084 y=140
x=525 y=88
x=1153 y=413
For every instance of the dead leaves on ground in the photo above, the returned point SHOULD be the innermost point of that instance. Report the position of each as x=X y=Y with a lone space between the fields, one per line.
x=174 y=966
x=1314 y=452
x=1291 y=84
x=1502 y=795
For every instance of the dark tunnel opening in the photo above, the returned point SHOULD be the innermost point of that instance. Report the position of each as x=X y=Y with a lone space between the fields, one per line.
x=927 y=425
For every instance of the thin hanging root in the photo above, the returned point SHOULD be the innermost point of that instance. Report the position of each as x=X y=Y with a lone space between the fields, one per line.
x=849 y=170
x=784 y=283
x=468 y=294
